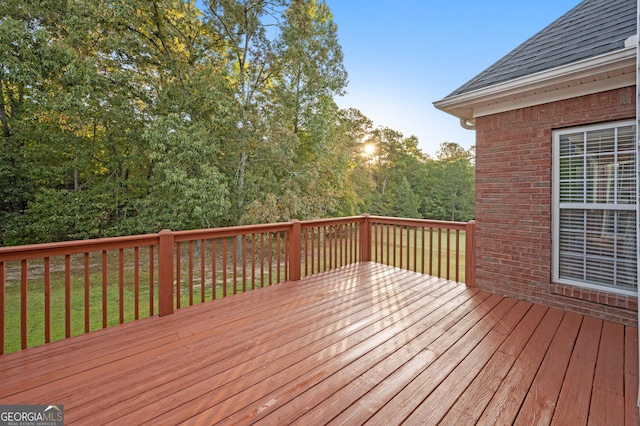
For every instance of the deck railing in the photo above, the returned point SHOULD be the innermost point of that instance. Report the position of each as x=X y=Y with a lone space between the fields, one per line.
x=443 y=249
x=53 y=291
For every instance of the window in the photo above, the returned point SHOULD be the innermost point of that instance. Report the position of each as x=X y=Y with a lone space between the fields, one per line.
x=595 y=207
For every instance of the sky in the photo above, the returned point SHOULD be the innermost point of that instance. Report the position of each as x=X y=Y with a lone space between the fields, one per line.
x=402 y=55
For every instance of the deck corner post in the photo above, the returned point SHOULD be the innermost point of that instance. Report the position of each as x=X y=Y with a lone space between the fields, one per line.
x=470 y=253
x=295 y=250
x=365 y=239
x=165 y=273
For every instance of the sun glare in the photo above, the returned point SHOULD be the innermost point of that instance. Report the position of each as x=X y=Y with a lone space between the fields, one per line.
x=369 y=149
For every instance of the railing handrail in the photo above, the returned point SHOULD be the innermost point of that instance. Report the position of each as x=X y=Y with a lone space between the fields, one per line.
x=332 y=221
x=230 y=231
x=31 y=251
x=437 y=224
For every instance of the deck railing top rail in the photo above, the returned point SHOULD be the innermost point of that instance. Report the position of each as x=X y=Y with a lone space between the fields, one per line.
x=33 y=251
x=423 y=223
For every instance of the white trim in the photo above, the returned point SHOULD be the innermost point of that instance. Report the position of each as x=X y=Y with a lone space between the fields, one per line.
x=602 y=289
x=605 y=72
x=556 y=205
x=637 y=48
x=553 y=95
x=597 y=206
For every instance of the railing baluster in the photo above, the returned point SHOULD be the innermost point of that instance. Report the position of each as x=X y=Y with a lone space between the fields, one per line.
x=333 y=248
x=47 y=299
x=191 y=273
x=395 y=236
x=67 y=296
x=315 y=266
x=457 y=255
x=104 y=289
x=203 y=286
x=388 y=245
x=178 y=274
x=121 y=285
x=234 y=264
x=344 y=244
x=324 y=248
x=261 y=259
x=350 y=242
x=401 y=244
x=330 y=244
x=151 y=279
x=306 y=251
x=278 y=256
x=136 y=282
x=430 y=251
x=320 y=249
x=244 y=263
x=214 y=274
x=224 y=267
x=23 y=303
x=448 y=254
x=415 y=249
x=422 y=250
x=2 y=308
x=374 y=228
x=337 y=238
x=286 y=243
x=253 y=261
x=338 y=243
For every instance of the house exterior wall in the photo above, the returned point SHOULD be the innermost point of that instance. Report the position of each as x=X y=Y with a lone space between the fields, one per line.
x=514 y=202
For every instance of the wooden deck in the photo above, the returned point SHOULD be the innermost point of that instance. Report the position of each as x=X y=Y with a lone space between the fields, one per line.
x=362 y=344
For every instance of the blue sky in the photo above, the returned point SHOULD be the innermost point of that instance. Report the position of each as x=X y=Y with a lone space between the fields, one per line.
x=402 y=55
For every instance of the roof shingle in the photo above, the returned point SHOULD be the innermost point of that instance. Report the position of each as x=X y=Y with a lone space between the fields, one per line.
x=592 y=28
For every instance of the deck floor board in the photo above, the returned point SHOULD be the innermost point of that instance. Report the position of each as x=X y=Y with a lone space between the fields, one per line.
x=366 y=343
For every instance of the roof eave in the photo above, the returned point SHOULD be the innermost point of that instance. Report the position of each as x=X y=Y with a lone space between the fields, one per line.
x=600 y=73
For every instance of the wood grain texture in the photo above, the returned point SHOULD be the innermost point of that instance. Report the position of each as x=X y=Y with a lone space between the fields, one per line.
x=366 y=343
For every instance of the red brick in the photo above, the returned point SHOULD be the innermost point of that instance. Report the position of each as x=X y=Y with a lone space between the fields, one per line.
x=513 y=201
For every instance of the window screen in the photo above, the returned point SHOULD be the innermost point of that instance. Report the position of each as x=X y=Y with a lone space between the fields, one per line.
x=595 y=207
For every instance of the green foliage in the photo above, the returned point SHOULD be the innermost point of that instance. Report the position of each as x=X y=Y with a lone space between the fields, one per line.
x=186 y=189
x=451 y=180
x=130 y=116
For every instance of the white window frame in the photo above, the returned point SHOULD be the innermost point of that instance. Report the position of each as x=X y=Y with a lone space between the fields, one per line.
x=556 y=206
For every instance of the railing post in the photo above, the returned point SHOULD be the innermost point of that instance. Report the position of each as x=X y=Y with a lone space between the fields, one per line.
x=295 y=253
x=165 y=273
x=470 y=253
x=365 y=239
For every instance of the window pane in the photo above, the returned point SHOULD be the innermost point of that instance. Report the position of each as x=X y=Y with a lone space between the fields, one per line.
x=626 y=138
x=597 y=245
x=601 y=141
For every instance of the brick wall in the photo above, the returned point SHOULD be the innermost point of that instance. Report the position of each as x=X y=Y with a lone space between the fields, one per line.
x=513 y=202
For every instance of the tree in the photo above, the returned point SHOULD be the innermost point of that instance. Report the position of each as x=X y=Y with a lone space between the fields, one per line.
x=296 y=157
x=92 y=91
x=129 y=116
x=452 y=183
x=407 y=202
x=241 y=26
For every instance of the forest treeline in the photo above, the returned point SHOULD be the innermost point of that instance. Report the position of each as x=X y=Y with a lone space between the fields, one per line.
x=129 y=116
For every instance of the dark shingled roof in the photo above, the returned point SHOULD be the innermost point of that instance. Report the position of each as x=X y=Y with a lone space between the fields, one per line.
x=592 y=28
